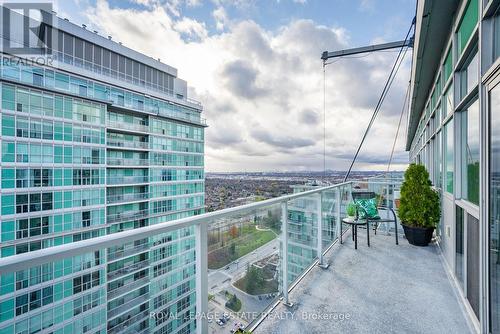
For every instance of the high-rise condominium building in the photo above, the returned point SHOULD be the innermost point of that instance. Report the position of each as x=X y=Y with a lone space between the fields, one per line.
x=453 y=130
x=95 y=139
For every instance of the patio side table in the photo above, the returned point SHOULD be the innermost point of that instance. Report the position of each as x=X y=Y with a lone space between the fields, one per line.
x=354 y=227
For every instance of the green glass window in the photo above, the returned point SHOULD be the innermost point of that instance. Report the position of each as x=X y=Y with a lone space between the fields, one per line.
x=8 y=97
x=58 y=107
x=470 y=151
x=449 y=156
x=448 y=65
x=467 y=25
x=62 y=81
x=8 y=204
x=8 y=151
x=8 y=125
x=58 y=131
x=8 y=178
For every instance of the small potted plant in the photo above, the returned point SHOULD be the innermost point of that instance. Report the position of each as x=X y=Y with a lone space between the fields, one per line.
x=419 y=208
x=351 y=210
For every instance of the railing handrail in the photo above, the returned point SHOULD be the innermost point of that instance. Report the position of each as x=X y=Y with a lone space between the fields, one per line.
x=42 y=256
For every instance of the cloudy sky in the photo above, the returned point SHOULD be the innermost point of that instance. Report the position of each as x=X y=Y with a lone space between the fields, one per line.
x=255 y=66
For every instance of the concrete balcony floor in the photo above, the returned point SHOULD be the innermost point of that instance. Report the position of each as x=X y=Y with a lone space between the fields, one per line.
x=382 y=289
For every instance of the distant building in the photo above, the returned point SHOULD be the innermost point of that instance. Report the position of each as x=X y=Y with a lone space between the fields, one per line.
x=100 y=140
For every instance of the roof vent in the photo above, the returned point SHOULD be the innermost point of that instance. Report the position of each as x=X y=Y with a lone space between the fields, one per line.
x=66 y=19
x=109 y=37
x=84 y=26
x=95 y=32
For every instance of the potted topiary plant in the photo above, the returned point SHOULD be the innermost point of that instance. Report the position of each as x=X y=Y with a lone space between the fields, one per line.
x=419 y=208
x=351 y=210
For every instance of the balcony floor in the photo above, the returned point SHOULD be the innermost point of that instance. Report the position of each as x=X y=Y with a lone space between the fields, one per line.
x=382 y=289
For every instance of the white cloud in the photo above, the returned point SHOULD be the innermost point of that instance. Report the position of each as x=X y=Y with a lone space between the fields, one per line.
x=220 y=17
x=192 y=28
x=262 y=90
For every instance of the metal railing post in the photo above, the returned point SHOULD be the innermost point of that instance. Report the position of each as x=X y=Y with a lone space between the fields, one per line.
x=337 y=213
x=319 y=215
x=284 y=260
x=388 y=228
x=201 y=248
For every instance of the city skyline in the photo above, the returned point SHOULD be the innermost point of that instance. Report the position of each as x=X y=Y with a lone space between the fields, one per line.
x=237 y=57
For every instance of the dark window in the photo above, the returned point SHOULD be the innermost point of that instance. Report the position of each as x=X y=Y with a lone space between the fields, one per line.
x=114 y=61
x=142 y=70
x=459 y=242
x=22 y=203
x=97 y=55
x=68 y=44
x=35 y=202
x=154 y=76
x=60 y=41
x=88 y=51
x=78 y=48
x=130 y=66
x=122 y=64
x=136 y=69
x=106 y=58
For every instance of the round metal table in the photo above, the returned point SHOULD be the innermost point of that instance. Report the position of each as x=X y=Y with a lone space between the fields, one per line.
x=354 y=222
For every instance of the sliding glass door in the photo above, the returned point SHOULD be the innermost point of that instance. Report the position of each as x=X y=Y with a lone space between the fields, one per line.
x=494 y=209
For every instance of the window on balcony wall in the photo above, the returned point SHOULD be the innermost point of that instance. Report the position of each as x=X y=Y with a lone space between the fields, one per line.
x=494 y=209
x=496 y=34
x=438 y=161
x=448 y=104
x=459 y=246
x=449 y=156
x=448 y=66
x=470 y=153
x=467 y=25
x=469 y=76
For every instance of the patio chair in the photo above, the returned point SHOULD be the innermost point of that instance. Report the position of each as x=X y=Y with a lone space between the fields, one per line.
x=357 y=195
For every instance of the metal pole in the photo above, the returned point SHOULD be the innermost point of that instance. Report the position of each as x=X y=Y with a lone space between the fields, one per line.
x=319 y=220
x=201 y=248
x=284 y=260
x=337 y=214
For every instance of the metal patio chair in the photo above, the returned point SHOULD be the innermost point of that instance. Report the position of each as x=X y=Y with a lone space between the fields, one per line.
x=357 y=195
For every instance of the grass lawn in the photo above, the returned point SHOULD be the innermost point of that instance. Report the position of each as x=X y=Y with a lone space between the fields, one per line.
x=250 y=240
x=265 y=287
x=257 y=239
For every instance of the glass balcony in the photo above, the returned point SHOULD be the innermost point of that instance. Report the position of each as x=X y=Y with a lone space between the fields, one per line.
x=128 y=143
x=127 y=216
x=123 y=180
x=128 y=162
x=128 y=126
x=264 y=267
x=132 y=197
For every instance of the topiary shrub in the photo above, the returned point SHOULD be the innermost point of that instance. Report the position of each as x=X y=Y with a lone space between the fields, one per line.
x=419 y=203
x=351 y=209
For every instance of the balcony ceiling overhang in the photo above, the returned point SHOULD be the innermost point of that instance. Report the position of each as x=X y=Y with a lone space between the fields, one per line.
x=434 y=19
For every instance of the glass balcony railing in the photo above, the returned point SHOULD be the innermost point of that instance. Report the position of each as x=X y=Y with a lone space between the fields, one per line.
x=247 y=258
x=127 y=216
x=128 y=162
x=121 y=180
x=128 y=143
x=128 y=126
x=119 y=198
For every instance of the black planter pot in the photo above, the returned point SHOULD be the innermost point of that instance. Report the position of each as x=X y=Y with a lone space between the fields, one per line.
x=418 y=236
